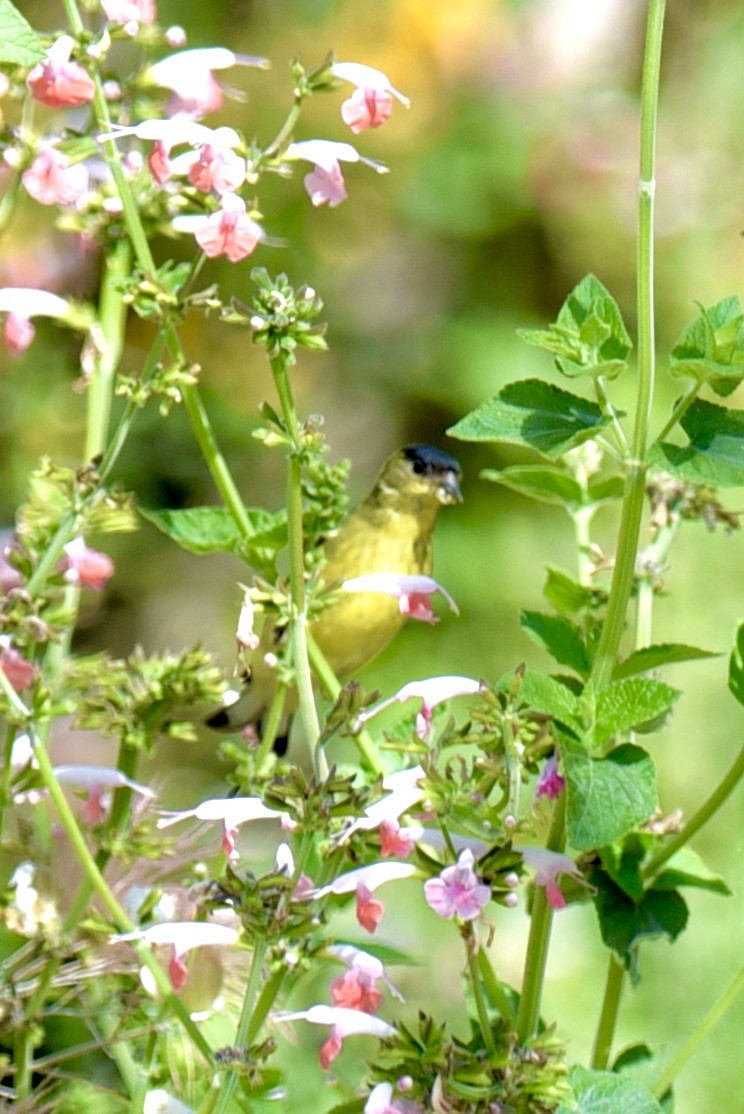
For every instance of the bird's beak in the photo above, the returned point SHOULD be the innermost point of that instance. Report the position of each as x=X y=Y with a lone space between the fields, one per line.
x=449 y=488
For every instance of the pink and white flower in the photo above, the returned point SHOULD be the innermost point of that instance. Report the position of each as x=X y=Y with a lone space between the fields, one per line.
x=458 y=892
x=182 y=937
x=231 y=812
x=211 y=165
x=380 y=1101
x=404 y=792
x=188 y=74
x=19 y=672
x=413 y=592
x=431 y=692
x=85 y=567
x=551 y=782
x=229 y=231
x=548 y=866
x=21 y=304
x=371 y=103
x=363 y=882
x=53 y=180
x=98 y=781
x=130 y=14
x=58 y=82
x=325 y=185
x=344 y=1023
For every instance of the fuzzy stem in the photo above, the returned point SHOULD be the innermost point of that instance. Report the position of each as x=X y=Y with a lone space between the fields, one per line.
x=538 y=942
x=630 y=523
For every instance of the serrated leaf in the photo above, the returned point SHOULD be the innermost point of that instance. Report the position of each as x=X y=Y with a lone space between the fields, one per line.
x=547 y=485
x=686 y=868
x=545 y=694
x=604 y=1092
x=630 y=703
x=534 y=414
x=607 y=797
x=711 y=348
x=663 y=653
x=715 y=453
x=736 y=666
x=559 y=637
x=624 y=923
x=18 y=42
x=204 y=530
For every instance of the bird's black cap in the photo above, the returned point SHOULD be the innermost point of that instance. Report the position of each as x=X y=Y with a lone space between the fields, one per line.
x=427 y=460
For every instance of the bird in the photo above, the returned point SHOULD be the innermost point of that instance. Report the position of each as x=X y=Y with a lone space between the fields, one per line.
x=390 y=531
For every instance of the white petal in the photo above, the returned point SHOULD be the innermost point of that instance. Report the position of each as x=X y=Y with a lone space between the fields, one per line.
x=366 y=77
x=347 y=1021
x=370 y=876
x=88 y=777
x=183 y=935
x=29 y=302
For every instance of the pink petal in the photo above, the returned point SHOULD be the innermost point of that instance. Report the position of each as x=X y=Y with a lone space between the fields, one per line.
x=367 y=108
x=331 y=1048
x=326 y=187
x=369 y=910
x=18 y=334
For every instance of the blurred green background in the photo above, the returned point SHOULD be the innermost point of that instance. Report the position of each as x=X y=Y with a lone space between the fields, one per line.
x=513 y=174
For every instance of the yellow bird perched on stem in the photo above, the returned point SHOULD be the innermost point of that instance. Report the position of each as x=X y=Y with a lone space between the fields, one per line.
x=390 y=532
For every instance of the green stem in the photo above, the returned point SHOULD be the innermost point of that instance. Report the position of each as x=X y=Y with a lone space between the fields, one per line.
x=228 y=1081
x=608 y=1016
x=472 y=948
x=496 y=993
x=681 y=407
x=609 y=411
x=630 y=523
x=699 y=1035
x=538 y=942
x=330 y=682
x=271 y=727
x=112 y=315
x=284 y=135
x=708 y=809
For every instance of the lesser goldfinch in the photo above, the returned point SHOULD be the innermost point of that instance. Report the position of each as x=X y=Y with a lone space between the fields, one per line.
x=389 y=532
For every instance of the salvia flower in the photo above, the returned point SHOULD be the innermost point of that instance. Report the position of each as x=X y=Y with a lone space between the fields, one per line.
x=19 y=672
x=550 y=783
x=358 y=960
x=363 y=882
x=182 y=937
x=229 y=231
x=381 y=1101
x=431 y=691
x=548 y=866
x=458 y=892
x=188 y=74
x=325 y=185
x=232 y=812
x=130 y=14
x=58 y=82
x=53 y=180
x=404 y=792
x=371 y=103
x=413 y=592
x=85 y=567
x=344 y=1023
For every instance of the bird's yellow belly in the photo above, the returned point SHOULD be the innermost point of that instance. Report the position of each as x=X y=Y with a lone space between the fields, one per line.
x=356 y=628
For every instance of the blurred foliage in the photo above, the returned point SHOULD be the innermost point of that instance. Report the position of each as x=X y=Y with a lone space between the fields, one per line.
x=513 y=174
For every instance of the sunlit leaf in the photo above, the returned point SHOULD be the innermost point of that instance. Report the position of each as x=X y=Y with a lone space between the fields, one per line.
x=18 y=42
x=607 y=797
x=715 y=452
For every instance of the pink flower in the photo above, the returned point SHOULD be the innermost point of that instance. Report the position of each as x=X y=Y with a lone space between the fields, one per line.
x=211 y=165
x=344 y=1023
x=87 y=568
x=189 y=75
x=457 y=891
x=548 y=865
x=98 y=781
x=217 y=170
x=404 y=792
x=20 y=672
x=232 y=812
x=551 y=783
x=431 y=692
x=363 y=882
x=130 y=13
x=53 y=180
x=413 y=592
x=229 y=231
x=356 y=990
x=395 y=842
x=380 y=1101
x=21 y=304
x=369 y=909
x=159 y=163
x=371 y=103
x=18 y=334
x=58 y=82
x=325 y=185
x=182 y=937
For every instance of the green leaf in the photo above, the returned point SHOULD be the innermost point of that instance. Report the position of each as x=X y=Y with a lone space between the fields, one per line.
x=715 y=453
x=663 y=653
x=607 y=797
x=559 y=637
x=545 y=694
x=686 y=868
x=736 y=666
x=547 y=485
x=604 y=1092
x=533 y=414
x=711 y=349
x=18 y=42
x=205 y=530
x=631 y=703
x=624 y=923
x=567 y=595
x=589 y=336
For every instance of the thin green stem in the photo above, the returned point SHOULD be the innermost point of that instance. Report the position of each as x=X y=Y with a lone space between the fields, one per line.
x=538 y=942
x=699 y=1035
x=681 y=407
x=609 y=411
x=284 y=135
x=270 y=729
x=608 y=1016
x=496 y=994
x=471 y=949
x=707 y=810
x=632 y=512
x=112 y=315
x=228 y=1081
x=328 y=679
